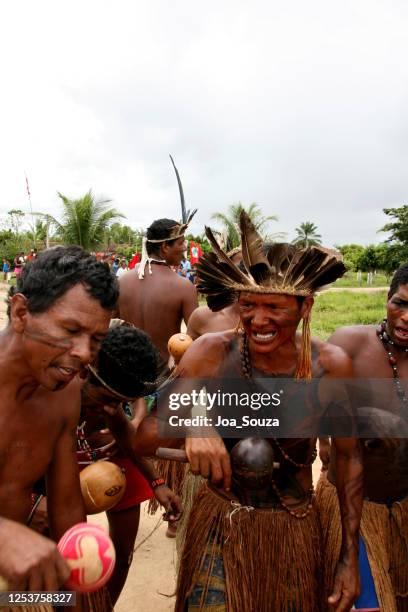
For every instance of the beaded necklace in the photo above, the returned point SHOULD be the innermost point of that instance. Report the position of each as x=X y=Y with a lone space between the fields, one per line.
x=83 y=445
x=246 y=369
x=387 y=344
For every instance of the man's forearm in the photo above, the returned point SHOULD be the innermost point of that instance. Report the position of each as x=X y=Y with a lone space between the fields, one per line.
x=349 y=483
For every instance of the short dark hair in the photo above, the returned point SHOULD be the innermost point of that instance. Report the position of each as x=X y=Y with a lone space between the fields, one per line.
x=127 y=359
x=158 y=230
x=400 y=278
x=50 y=275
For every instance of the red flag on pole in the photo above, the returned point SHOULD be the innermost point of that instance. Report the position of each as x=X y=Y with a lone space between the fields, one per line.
x=195 y=252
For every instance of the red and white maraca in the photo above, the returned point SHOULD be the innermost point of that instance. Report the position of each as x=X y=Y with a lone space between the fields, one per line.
x=90 y=554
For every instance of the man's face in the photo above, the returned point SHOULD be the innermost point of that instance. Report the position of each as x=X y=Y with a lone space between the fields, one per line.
x=397 y=316
x=270 y=320
x=174 y=253
x=59 y=342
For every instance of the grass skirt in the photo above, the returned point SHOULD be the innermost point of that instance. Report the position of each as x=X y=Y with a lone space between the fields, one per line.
x=191 y=485
x=385 y=533
x=240 y=559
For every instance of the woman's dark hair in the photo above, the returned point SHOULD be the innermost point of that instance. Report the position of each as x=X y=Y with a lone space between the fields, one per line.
x=158 y=230
x=127 y=359
x=48 y=277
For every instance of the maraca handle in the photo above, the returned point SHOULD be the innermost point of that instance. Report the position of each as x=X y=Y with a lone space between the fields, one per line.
x=176 y=454
x=3 y=584
x=172 y=454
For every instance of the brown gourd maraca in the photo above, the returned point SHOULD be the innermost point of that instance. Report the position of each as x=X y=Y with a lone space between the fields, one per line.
x=103 y=485
x=178 y=344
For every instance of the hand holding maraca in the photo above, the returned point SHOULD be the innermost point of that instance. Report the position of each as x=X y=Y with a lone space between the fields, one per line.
x=83 y=560
x=29 y=561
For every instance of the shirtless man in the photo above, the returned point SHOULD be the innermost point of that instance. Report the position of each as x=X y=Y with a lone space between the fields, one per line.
x=125 y=369
x=152 y=296
x=380 y=351
x=213 y=568
x=59 y=313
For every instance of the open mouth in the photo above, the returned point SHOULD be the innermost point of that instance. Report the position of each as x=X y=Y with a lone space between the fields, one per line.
x=66 y=373
x=264 y=337
x=401 y=333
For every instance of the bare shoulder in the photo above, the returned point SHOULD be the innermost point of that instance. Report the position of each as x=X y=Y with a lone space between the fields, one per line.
x=333 y=359
x=206 y=354
x=197 y=319
x=352 y=338
x=128 y=280
x=184 y=285
x=201 y=313
x=67 y=402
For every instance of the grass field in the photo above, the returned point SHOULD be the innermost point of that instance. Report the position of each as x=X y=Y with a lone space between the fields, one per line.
x=332 y=310
x=350 y=280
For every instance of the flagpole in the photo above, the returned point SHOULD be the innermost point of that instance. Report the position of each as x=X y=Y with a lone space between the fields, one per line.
x=31 y=209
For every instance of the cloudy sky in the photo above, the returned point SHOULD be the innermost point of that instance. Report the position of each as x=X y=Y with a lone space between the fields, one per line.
x=298 y=106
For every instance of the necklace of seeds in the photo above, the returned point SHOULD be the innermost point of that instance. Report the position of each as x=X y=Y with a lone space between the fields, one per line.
x=387 y=344
x=83 y=443
x=246 y=368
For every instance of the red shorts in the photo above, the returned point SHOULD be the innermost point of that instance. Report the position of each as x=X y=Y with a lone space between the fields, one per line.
x=137 y=488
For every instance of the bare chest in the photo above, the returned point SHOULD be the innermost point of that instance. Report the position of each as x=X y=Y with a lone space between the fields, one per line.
x=28 y=436
x=372 y=361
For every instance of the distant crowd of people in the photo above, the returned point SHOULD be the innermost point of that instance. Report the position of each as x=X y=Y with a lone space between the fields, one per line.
x=118 y=264
x=19 y=262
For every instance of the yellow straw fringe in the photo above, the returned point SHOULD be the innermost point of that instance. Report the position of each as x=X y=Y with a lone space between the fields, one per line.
x=384 y=531
x=304 y=365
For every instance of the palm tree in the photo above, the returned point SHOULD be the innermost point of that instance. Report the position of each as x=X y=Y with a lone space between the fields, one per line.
x=85 y=221
x=307 y=235
x=47 y=223
x=230 y=223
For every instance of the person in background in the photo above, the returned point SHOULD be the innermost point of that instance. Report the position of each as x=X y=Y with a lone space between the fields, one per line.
x=6 y=269
x=122 y=268
x=32 y=255
x=184 y=268
x=115 y=265
x=19 y=263
x=135 y=260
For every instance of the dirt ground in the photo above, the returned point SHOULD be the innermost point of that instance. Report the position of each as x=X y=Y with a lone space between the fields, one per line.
x=151 y=582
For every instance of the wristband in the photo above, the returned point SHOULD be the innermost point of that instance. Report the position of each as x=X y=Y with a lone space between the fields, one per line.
x=158 y=482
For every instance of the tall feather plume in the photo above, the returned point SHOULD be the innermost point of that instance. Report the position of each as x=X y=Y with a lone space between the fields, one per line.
x=184 y=214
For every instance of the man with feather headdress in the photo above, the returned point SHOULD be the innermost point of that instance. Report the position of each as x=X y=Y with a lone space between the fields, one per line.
x=260 y=549
x=152 y=296
x=158 y=303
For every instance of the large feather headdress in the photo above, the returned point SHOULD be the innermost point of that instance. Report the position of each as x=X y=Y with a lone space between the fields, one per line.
x=284 y=268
